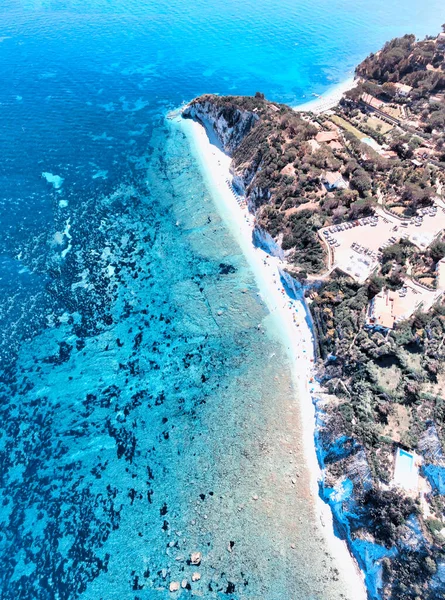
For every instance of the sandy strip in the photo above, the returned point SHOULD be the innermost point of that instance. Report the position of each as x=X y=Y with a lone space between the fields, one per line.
x=329 y=99
x=289 y=316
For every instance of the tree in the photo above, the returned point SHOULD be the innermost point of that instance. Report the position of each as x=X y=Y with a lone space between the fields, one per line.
x=361 y=181
x=372 y=88
x=389 y=89
x=347 y=197
x=387 y=511
x=375 y=285
x=437 y=250
x=398 y=252
x=339 y=213
x=362 y=208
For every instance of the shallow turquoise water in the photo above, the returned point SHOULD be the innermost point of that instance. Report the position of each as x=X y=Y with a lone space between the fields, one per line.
x=142 y=408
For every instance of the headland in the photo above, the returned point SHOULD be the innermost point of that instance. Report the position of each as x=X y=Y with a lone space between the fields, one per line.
x=340 y=212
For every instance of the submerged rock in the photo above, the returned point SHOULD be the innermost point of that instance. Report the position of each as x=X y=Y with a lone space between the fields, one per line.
x=195 y=558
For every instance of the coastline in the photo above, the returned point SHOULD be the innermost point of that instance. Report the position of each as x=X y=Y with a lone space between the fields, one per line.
x=290 y=318
x=327 y=100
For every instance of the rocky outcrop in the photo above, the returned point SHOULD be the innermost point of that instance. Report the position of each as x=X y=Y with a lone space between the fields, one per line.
x=229 y=123
x=262 y=239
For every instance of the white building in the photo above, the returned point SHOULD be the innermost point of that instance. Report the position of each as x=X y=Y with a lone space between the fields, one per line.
x=333 y=180
x=403 y=90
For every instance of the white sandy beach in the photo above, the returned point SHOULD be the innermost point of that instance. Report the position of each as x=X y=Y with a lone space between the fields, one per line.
x=290 y=319
x=329 y=99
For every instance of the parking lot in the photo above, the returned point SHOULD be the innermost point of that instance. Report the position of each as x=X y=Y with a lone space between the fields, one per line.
x=357 y=245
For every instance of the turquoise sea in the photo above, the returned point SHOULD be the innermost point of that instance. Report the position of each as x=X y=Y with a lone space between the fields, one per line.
x=144 y=414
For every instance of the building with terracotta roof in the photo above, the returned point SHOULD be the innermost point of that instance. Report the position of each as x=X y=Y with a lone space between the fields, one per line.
x=326 y=136
x=389 y=307
x=423 y=152
x=372 y=101
x=389 y=154
x=378 y=106
x=334 y=145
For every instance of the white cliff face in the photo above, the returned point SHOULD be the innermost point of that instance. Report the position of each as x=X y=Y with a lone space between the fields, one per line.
x=264 y=240
x=230 y=125
x=243 y=177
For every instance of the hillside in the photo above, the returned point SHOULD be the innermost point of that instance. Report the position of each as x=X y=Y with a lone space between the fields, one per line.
x=353 y=200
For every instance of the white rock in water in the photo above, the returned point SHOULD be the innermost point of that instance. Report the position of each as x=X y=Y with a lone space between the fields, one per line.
x=174 y=586
x=184 y=583
x=195 y=558
x=196 y=576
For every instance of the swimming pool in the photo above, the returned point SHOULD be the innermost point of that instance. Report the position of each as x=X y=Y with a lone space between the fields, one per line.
x=405 y=472
x=371 y=142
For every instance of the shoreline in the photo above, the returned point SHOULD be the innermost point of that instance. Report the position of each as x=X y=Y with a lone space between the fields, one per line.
x=327 y=100
x=290 y=316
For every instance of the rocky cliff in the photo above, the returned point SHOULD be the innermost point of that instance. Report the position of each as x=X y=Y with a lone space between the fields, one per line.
x=233 y=126
x=229 y=123
x=267 y=142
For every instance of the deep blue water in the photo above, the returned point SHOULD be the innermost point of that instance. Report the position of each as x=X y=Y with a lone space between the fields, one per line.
x=141 y=405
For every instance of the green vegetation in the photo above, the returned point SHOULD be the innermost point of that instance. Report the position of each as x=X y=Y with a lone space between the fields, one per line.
x=347 y=126
x=385 y=512
x=385 y=387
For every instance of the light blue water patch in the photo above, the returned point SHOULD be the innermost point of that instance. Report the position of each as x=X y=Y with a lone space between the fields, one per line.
x=103 y=136
x=56 y=180
x=371 y=142
x=100 y=174
x=139 y=104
